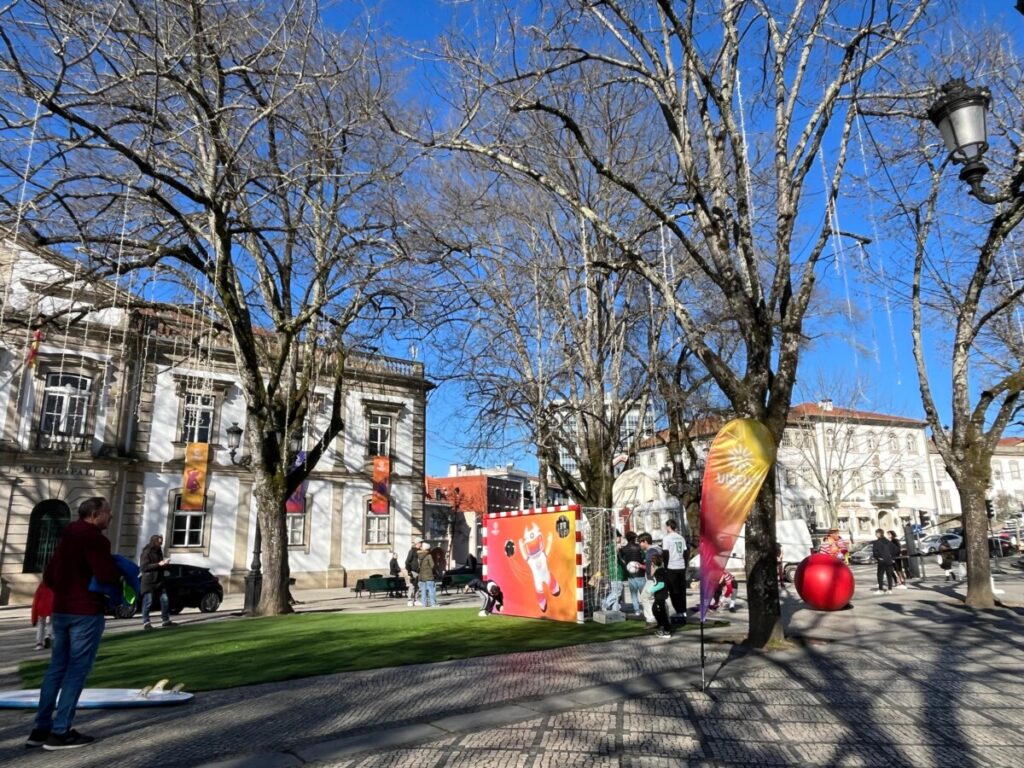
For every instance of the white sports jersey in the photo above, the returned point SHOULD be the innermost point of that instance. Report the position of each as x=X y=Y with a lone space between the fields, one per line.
x=675 y=545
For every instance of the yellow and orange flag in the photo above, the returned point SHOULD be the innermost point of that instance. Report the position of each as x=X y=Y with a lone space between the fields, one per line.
x=741 y=455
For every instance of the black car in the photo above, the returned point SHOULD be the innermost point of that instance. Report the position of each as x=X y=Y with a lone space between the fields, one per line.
x=188 y=586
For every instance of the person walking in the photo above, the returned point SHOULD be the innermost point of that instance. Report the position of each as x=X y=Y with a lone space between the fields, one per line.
x=82 y=554
x=881 y=550
x=946 y=558
x=616 y=575
x=646 y=595
x=632 y=559
x=152 y=563
x=412 y=567
x=897 y=563
x=674 y=549
x=659 y=594
x=428 y=586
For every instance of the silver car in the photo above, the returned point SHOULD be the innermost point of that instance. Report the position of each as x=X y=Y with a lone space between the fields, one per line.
x=930 y=544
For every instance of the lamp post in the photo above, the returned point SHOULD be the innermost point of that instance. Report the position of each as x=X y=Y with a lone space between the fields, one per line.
x=960 y=114
x=234 y=440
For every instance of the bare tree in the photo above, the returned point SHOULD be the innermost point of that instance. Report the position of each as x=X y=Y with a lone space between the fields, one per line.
x=546 y=336
x=731 y=200
x=227 y=150
x=966 y=285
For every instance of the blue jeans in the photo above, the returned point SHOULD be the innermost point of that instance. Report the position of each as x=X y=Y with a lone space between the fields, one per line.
x=75 y=642
x=429 y=590
x=611 y=601
x=636 y=586
x=147 y=602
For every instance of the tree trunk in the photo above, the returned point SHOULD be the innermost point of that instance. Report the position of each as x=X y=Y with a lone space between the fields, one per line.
x=762 y=573
x=979 y=570
x=268 y=490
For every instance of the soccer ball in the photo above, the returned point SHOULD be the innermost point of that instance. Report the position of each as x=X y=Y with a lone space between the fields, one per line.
x=634 y=567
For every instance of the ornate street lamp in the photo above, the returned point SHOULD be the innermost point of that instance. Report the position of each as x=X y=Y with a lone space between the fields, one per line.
x=685 y=486
x=234 y=440
x=960 y=114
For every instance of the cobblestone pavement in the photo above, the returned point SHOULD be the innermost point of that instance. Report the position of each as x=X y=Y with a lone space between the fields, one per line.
x=904 y=679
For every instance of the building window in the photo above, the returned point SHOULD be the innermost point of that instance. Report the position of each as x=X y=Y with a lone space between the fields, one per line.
x=945 y=502
x=911 y=444
x=894 y=444
x=915 y=480
x=900 y=482
x=377 y=527
x=787 y=439
x=997 y=470
x=1014 y=470
x=296 y=523
x=187 y=526
x=45 y=526
x=870 y=442
x=197 y=424
x=65 y=410
x=830 y=437
x=877 y=486
x=379 y=438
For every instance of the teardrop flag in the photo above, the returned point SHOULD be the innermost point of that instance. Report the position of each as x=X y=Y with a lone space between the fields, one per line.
x=741 y=455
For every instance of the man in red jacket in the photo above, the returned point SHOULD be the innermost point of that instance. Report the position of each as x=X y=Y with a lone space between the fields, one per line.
x=82 y=554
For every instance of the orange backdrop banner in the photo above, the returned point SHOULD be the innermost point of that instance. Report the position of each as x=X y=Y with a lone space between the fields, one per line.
x=738 y=462
x=533 y=558
x=379 y=504
x=193 y=484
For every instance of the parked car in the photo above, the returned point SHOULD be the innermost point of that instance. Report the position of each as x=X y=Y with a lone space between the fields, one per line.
x=861 y=553
x=188 y=586
x=930 y=544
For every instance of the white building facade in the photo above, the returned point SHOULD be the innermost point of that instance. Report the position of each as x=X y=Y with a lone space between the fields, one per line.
x=106 y=406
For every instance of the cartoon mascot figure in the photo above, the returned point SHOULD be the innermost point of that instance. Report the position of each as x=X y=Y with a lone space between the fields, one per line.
x=535 y=551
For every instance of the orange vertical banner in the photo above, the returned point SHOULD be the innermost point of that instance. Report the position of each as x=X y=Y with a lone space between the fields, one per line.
x=737 y=464
x=193 y=484
x=379 y=505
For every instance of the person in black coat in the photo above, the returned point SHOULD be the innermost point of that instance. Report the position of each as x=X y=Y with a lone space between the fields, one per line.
x=152 y=564
x=882 y=551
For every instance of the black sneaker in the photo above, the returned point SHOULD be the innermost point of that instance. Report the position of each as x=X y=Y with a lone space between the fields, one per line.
x=37 y=738
x=147 y=626
x=168 y=623
x=68 y=740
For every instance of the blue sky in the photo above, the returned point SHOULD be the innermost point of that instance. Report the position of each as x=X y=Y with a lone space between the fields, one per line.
x=876 y=352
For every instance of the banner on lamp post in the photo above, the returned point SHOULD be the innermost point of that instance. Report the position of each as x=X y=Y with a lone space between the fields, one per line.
x=737 y=464
x=379 y=504
x=296 y=503
x=193 y=482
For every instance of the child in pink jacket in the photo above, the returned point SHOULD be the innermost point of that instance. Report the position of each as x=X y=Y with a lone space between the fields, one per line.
x=42 y=610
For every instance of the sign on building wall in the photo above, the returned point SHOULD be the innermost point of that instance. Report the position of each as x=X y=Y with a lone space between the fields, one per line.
x=193 y=483
x=535 y=556
x=379 y=504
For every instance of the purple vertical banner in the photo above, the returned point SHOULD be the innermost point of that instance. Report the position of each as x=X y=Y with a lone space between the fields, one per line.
x=296 y=503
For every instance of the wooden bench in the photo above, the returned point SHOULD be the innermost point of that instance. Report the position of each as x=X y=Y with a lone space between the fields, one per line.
x=457 y=580
x=394 y=586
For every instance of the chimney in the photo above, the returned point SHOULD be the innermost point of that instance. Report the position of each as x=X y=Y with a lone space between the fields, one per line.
x=826 y=404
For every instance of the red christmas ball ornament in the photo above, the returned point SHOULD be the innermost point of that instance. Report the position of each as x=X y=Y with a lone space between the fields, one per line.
x=824 y=582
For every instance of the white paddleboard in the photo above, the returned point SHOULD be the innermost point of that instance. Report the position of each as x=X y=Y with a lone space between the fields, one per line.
x=98 y=698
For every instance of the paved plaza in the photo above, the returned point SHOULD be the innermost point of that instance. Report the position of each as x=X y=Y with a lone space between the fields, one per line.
x=911 y=678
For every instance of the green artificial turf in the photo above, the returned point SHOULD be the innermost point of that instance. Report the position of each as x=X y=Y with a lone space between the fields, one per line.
x=241 y=651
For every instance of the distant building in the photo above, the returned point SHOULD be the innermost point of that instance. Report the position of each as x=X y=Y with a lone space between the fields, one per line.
x=456 y=503
x=860 y=470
